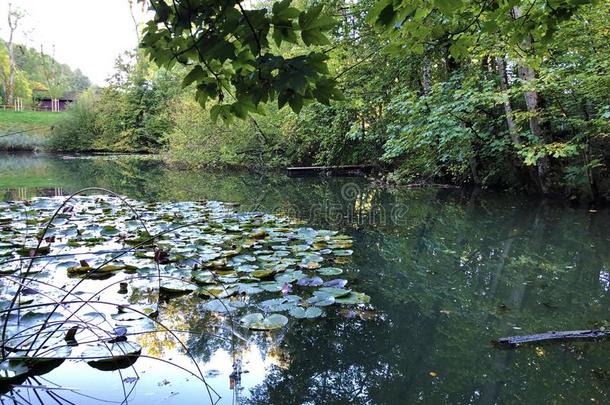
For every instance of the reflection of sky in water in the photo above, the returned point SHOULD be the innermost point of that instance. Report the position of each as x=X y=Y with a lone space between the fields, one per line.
x=159 y=382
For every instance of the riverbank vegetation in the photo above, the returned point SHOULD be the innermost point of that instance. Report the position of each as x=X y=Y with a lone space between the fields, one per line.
x=512 y=96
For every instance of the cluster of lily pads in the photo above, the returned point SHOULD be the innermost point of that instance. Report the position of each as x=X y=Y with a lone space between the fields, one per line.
x=61 y=262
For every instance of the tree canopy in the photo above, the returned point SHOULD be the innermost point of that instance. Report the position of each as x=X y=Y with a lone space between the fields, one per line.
x=233 y=52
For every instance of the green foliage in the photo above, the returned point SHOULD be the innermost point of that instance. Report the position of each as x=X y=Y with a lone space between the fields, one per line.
x=462 y=23
x=130 y=115
x=39 y=74
x=440 y=92
x=228 y=52
x=77 y=129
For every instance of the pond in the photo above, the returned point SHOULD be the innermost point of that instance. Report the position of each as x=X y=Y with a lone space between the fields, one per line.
x=447 y=272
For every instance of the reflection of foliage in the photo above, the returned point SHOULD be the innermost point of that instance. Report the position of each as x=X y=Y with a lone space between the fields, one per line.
x=458 y=270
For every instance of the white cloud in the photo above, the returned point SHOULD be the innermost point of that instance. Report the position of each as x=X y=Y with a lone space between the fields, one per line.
x=85 y=34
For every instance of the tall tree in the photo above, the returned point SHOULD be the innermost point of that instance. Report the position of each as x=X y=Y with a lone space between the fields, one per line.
x=8 y=84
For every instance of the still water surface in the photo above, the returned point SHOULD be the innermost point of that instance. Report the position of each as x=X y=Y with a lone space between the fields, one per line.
x=447 y=272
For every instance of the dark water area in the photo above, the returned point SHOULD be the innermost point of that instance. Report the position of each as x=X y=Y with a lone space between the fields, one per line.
x=447 y=272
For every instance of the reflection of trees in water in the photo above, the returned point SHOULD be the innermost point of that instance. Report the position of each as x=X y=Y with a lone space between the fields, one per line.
x=456 y=271
x=458 y=274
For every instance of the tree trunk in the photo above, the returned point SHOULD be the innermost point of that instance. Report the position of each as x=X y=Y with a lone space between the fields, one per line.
x=532 y=101
x=13 y=20
x=426 y=75
x=508 y=109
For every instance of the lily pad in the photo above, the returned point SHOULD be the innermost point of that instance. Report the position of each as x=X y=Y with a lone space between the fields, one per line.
x=310 y=312
x=354 y=298
x=343 y=252
x=12 y=370
x=219 y=305
x=217 y=291
x=329 y=271
x=310 y=281
x=336 y=283
x=265 y=273
x=112 y=356
x=259 y=322
x=176 y=287
x=321 y=299
x=335 y=292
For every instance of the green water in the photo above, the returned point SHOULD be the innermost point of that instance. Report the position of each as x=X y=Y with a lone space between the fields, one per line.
x=447 y=271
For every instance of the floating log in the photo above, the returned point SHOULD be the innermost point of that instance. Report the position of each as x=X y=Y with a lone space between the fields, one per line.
x=512 y=342
x=314 y=170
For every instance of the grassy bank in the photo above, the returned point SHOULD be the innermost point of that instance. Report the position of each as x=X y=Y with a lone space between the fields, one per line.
x=25 y=130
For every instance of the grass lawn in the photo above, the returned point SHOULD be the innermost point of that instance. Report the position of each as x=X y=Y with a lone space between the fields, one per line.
x=25 y=130
x=13 y=119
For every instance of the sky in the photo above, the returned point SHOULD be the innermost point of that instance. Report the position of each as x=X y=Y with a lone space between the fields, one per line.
x=85 y=34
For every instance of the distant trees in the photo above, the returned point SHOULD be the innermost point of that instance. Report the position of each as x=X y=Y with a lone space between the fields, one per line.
x=25 y=71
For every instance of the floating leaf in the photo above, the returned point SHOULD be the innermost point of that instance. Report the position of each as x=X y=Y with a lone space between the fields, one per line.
x=354 y=298
x=335 y=292
x=266 y=273
x=176 y=287
x=337 y=283
x=217 y=291
x=112 y=356
x=219 y=305
x=259 y=322
x=271 y=286
x=341 y=252
x=12 y=370
x=203 y=277
x=310 y=281
x=310 y=312
x=321 y=299
x=329 y=271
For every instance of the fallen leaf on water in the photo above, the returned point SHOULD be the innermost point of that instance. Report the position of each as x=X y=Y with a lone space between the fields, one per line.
x=433 y=373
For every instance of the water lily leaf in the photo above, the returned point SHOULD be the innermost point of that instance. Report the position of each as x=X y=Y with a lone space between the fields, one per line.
x=265 y=273
x=217 y=291
x=321 y=299
x=109 y=231
x=219 y=305
x=289 y=276
x=248 y=288
x=12 y=370
x=310 y=312
x=354 y=298
x=335 y=292
x=310 y=281
x=336 y=283
x=45 y=360
x=271 y=286
x=176 y=287
x=329 y=271
x=277 y=305
x=259 y=322
x=246 y=268
x=29 y=251
x=203 y=277
x=112 y=356
x=341 y=252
